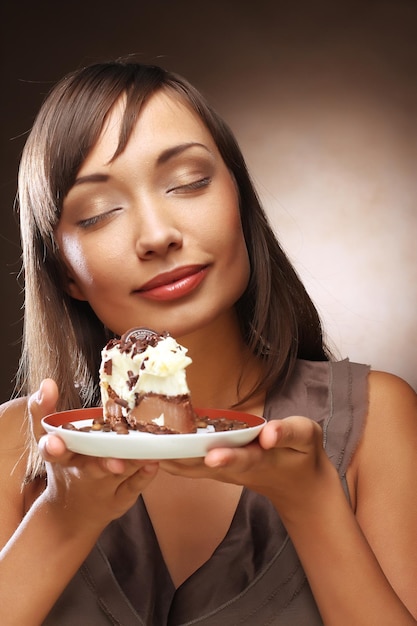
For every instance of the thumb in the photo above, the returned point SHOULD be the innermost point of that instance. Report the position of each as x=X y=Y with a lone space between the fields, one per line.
x=42 y=403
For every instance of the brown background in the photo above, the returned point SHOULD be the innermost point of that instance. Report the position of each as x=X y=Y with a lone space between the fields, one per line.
x=322 y=97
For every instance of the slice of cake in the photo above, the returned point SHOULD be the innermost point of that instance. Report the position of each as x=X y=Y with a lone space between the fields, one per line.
x=143 y=383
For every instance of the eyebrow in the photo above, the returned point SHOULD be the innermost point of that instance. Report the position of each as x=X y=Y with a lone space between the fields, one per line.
x=164 y=157
x=169 y=153
x=91 y=178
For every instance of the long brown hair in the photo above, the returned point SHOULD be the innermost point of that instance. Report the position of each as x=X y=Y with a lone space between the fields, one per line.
x=63 y=336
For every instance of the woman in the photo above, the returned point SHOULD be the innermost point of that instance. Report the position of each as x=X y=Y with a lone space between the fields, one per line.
x=137 y=210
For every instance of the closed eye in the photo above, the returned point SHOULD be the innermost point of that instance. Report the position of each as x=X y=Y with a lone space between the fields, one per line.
x=96 y=219
x=192 y=186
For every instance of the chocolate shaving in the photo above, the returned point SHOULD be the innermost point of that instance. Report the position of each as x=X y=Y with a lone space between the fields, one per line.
x=121 y=402
x=108 y=367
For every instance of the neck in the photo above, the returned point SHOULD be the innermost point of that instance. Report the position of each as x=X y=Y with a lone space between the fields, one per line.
x=223 y=369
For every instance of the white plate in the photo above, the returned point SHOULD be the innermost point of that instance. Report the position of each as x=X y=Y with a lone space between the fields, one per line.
x=137 y=445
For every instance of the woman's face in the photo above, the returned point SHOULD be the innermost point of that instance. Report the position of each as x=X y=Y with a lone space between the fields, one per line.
x=154 y=238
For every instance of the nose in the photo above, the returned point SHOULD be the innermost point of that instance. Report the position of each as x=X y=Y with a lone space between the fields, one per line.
x=157 y=234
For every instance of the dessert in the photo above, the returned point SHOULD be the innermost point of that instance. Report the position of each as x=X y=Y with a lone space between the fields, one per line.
x=143 y=383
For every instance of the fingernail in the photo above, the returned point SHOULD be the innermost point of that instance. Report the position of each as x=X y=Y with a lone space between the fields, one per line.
x=39 y=393
x=215 y=463
x=149 y=468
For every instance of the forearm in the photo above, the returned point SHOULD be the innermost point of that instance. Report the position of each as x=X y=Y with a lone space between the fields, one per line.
x=39 y=561
x=346 y=579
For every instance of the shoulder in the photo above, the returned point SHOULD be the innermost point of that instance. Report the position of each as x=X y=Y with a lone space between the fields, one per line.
x=13 y=459
x=386 y=391
x=16 y=497
x=385 y=465
x=388 y=446
x=392 y=408
x=13 y=437
x=13 y=423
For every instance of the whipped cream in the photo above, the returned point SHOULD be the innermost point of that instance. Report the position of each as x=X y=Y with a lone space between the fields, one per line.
x=159 y=368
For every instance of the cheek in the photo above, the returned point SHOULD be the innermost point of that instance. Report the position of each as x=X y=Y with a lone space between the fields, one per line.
x=76 y=260
x=93 y=268
x=234 y=252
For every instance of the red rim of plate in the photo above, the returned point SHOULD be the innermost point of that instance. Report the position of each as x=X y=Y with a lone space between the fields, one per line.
x=76 y=415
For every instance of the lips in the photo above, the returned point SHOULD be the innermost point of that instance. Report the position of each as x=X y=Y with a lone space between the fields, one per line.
x=174 y=284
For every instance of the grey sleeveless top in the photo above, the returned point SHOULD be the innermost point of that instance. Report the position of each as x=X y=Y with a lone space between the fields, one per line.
x=254 y=577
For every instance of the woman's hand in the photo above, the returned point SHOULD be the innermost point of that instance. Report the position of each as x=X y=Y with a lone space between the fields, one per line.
x=53 y=529
x=88 y=490
x=284 y=463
